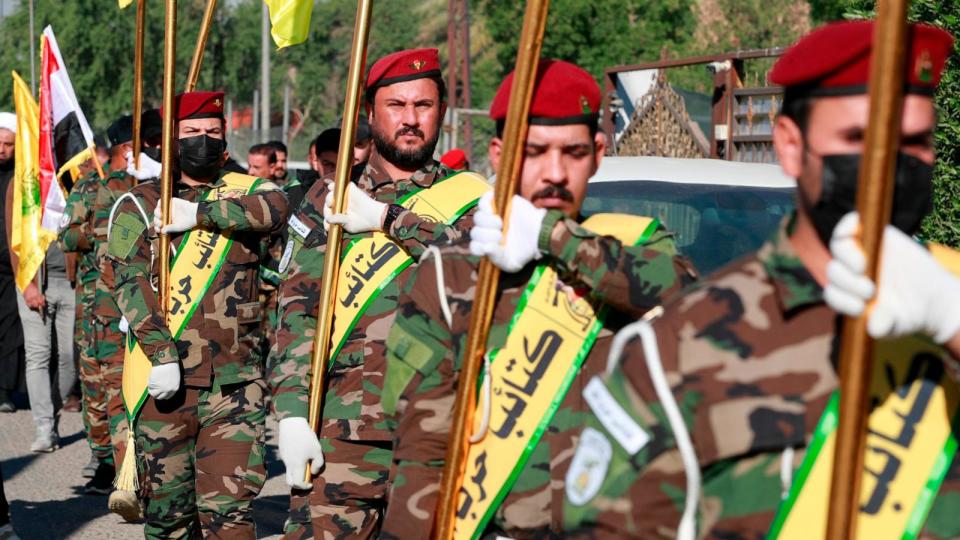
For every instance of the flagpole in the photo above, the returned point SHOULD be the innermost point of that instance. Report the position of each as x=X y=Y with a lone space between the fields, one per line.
x=481 y=316
x=321 y=341
x=138 y=80
x=166 y=177
x=874 y=203
x=201 y=45
x=96 y=162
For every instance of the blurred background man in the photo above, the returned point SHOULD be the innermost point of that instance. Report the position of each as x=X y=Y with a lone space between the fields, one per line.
x=280 y=173
x=262 y=161
x=11 y=336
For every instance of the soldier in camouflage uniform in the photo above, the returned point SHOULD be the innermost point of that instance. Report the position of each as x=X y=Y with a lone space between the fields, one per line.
x=719 y=397
x=76 y=236
x=201 y=432
x=425 y=351
x=347 y=498
x=108 y=331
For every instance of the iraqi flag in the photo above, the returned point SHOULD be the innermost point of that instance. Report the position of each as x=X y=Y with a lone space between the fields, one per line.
x=66 y=140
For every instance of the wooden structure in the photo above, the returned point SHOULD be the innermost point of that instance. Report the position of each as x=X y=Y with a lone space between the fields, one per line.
x=657 y=122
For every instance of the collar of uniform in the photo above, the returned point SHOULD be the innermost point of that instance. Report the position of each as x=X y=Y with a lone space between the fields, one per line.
x=182 y=188
x=374 y=177
x=794 y=285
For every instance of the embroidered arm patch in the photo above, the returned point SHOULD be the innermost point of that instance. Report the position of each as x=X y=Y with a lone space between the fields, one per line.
x=127 y=229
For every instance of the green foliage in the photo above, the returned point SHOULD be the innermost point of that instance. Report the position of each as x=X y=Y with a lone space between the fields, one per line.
x=597 y=34
x=96 y=41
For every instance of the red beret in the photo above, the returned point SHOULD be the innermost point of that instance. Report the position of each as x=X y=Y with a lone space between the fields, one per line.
x=563 y=94
x=198 y=105
x=456 y=159
x=835 y=59
x=404 y=66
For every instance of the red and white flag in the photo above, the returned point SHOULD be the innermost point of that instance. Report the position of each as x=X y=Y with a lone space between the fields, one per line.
x=66 y=140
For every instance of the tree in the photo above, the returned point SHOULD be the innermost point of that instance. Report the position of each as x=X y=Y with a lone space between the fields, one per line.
x=594 y=35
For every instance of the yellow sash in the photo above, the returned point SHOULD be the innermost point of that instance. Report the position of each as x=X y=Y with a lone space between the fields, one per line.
x=192 y=272
x=909 y=447
x=549 y=337
x=369 y=264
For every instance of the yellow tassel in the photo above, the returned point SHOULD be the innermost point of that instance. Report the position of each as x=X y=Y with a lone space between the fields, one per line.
x=127 y=475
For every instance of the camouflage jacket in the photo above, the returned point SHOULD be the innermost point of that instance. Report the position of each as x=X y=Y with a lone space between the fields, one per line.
x=750 y=355
x=424 y=356
x=352 y=408
x=76 y=232
x=110 y=189
x=220 y=341
x=629 y=278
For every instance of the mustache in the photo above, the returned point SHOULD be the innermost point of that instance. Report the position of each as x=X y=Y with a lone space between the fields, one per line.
x=553 y=192
x=410 y=130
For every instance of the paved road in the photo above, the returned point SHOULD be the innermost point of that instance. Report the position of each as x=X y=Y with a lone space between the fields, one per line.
x=44 y=489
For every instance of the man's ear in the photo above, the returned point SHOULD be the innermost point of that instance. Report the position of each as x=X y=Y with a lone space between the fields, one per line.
x=789 y=146
x=493 y=152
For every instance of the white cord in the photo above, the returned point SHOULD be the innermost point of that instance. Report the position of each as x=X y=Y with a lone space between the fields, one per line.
x=441 y=284
x=786 y=471
x=687 y=528
x=485 y=398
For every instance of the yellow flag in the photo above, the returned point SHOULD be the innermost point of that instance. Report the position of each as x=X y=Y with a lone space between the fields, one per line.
x=27 y=238
x=124 y=3
x=289 y=21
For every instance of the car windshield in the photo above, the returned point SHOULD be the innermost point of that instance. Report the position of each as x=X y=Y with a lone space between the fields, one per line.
x=713 y=224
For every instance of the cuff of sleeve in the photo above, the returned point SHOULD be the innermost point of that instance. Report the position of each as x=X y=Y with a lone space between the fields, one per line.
x=167 y=354
x=203 y=215
x=546 y=230
x=401 y=228
x=290 y=405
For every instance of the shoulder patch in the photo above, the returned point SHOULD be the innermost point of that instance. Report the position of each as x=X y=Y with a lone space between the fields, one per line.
x=405 y=346
x=287 y=255
x=588 y=468
x=127 y=229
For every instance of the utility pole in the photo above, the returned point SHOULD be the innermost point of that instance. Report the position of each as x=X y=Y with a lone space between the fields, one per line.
x=452 y=71
x=33 y=54
x=458 y=71
x=465 y=101
x=264 y=73
x=285 y=136
x=256 y=118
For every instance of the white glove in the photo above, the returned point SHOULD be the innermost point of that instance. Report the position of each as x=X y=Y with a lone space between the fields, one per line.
x=916 y=294
x=522 y=235
x=148 y=167
x=183 y=216
x=362 y=212
x=164 y=380
x=299 y=445
x=124 y=324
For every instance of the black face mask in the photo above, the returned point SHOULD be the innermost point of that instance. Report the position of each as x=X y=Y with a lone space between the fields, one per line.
x=200 y=156
x=152 y=153
x=912 y=193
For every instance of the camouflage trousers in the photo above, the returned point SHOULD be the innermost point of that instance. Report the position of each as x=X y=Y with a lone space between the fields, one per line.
x=96 y=421
x=203 y=456
x=108 y=343
x=349 y=497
